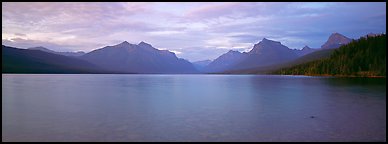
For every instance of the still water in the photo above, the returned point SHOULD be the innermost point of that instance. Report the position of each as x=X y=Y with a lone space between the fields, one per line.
x=104 y=107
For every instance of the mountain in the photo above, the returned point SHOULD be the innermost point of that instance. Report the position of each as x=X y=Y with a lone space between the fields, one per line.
x=80 y=53
x=266 y=52
x=140 y=58
x=363 y=57
x=306 y=55
x=200 y=65
x=42 y=49
x=370 y=35
x=335 y=41
x=305 y=50
x=316 y=55
x=225 y=61
x=15 y=60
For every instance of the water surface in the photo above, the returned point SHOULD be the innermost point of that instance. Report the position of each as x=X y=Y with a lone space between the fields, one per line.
x=104 y=107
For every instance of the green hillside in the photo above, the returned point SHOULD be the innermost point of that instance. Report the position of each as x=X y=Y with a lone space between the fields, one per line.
x=363 y=57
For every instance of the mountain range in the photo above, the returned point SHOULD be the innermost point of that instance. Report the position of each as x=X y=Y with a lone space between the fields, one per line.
x=304 y=51
x=79 y=53
x=225 y=61
x=120 y=58
x=15 y=60
x=363 y=57
x=140 y=58
x=144 y=58
x=268 y=54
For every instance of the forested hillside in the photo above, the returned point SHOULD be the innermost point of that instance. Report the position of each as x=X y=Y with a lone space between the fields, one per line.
x=363 y=57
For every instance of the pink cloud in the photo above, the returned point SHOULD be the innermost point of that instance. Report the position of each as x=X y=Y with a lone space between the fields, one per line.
x=179 y=25
x=64 y=12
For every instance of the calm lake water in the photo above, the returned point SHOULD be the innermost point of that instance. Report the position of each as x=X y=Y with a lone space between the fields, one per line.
x=104 y=107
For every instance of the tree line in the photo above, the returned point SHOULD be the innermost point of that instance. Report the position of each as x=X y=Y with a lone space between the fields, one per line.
x=363 y=57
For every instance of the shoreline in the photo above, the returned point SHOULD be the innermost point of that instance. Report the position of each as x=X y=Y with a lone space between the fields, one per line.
x=348 y=76
x=321 y=75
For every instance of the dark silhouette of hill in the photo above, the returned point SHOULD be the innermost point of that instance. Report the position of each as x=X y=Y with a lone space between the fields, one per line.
x=15 y=60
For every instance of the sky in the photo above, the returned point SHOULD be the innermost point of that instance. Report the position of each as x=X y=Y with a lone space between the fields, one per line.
x=194 y=31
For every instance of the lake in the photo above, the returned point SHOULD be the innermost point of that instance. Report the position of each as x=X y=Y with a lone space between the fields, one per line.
x=114 y=107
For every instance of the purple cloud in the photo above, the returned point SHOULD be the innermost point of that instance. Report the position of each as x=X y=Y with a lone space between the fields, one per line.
x=195 y=30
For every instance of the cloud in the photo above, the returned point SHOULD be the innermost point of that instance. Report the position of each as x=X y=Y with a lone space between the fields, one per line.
x=211 y=10
x=81 y=23
x=245 y=38
x=27 y=43
x=165 y=32
x=20 y=34
x=197 y=30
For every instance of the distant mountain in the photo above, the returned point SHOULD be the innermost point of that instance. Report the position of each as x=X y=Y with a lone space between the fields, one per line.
x=370 y=35
x=335 y=41
x=362 y=57
x=266 y=52
x=304 y=51
x=42 y=49
x=265 y=56
x=225 y=61
x=200 y=65
x=140 y=58
x=15 y=60
x=316 y=55
x=306 y=55
x=80 y=53
x=74 y=54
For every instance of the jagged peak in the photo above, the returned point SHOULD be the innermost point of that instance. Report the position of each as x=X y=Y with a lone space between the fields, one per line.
x=265 y=40
x=335 y=40
x=142 y=44
x=125 y=42
x=306 y=47
x=336 y=34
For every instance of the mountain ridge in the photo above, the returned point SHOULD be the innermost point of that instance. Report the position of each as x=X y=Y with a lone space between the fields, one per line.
x=75 y=54
x=364 y=57
x=16 y=60
x=140 y=58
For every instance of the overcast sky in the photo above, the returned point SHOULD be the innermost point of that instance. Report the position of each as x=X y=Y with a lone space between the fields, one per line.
x=194 y=31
